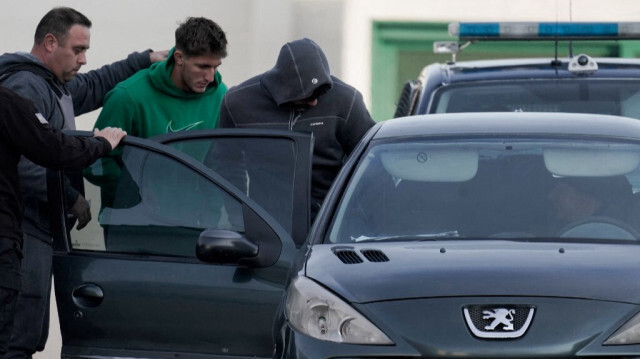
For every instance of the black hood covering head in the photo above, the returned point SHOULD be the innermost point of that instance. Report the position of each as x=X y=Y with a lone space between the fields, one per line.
x=301 y=72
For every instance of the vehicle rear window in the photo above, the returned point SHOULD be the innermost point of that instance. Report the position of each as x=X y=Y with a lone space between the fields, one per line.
x=611 y=97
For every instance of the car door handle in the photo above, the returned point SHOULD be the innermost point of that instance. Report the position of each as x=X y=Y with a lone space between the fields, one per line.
x=88 y=295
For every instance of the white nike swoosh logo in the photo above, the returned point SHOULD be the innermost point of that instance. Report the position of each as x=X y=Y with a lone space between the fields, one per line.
x=185 y=128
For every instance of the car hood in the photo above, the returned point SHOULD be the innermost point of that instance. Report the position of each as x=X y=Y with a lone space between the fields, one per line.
x=368 y=272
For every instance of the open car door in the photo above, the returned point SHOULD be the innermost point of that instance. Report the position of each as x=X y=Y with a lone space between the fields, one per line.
x=131 y=283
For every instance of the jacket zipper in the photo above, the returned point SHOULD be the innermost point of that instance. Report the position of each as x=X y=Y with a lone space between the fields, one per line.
x=293 y=118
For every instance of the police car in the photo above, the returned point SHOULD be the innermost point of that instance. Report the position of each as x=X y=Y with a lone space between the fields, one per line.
x=577 y=83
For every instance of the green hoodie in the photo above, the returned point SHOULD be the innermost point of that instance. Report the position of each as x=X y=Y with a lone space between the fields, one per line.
x=149 y=104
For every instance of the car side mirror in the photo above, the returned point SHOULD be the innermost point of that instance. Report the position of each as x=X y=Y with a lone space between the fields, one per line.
x=220 y=246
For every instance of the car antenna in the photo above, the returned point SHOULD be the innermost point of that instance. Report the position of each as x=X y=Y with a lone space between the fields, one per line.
x=570 y=20
x=555 y=62
x=461 y=47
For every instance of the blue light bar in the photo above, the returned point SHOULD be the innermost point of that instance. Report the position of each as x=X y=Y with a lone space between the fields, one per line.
x=470 y=31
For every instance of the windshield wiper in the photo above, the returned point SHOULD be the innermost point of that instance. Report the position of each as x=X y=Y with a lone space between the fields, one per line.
x=409 y=237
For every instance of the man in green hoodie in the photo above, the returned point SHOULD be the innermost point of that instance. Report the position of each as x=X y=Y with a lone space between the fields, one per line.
x=184 y=92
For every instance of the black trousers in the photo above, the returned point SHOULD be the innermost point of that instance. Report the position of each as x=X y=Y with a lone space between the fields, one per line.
x=31 y=315
x=8 y=299
x=10 y=261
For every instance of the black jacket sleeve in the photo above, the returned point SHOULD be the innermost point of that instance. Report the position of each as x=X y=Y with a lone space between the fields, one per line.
x=358 y=122
x=88 y=89
x=45 y=146
x=225 y=120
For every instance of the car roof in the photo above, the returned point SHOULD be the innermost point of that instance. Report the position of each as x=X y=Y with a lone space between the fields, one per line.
x=510 y=123
x=439 y=75
x=535 y=68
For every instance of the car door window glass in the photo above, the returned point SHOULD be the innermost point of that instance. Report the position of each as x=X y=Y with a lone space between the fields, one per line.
x=263 y=169
x=148 y=203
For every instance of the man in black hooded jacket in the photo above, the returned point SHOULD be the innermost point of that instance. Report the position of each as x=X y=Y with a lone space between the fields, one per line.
x=300 y=94
x=23 y=131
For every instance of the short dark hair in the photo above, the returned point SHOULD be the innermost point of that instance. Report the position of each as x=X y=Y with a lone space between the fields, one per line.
x=58 y=21
x=199 y=36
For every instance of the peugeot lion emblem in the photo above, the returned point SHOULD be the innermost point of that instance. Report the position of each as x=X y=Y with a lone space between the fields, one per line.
x=498 y=322
x=499 y=316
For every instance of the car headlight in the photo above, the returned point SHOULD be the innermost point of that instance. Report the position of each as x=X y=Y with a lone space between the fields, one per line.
x=314 y=311
x=629 y=333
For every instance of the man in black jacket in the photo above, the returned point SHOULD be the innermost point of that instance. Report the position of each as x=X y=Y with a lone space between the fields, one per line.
x=300 y=94
x=49 y=76
x=23 y=131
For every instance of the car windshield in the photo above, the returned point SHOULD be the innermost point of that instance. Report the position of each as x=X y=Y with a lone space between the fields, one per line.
x=426 y=189
x=610 y=97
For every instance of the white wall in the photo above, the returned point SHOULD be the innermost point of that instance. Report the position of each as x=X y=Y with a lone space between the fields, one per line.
x=256 y=29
